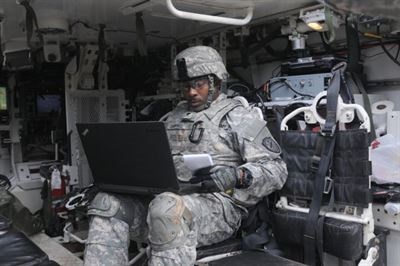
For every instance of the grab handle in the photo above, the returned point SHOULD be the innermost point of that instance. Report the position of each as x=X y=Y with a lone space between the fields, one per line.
x=210 y=18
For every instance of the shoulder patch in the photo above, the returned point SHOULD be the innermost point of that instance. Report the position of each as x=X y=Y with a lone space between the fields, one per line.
x=271 y=145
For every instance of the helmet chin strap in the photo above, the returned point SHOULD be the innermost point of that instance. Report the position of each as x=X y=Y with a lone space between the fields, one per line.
x=211 y=91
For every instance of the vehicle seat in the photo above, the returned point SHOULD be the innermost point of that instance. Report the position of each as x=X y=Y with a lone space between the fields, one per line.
x=345 y=226
x=249 y=247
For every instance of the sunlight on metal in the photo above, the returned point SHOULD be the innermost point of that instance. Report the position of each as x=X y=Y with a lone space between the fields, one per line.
x=315 y=26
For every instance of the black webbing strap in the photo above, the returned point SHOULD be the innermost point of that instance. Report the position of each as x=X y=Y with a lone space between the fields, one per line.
x=1 y=52
x=102 y=43
x=140 y=35
x=328 y=132
x=30 y=19
x=367 y=103
x=318 y=188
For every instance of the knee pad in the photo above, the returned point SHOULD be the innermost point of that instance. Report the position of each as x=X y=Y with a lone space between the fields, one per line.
x=169 y=221
x=106 y=205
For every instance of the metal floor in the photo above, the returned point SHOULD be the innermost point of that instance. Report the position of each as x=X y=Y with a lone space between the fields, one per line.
x=55 y=251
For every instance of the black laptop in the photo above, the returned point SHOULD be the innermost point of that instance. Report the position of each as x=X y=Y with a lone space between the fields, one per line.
x=132 y=158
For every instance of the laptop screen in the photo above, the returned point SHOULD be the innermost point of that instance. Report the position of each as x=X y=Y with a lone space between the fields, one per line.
x=129 y=157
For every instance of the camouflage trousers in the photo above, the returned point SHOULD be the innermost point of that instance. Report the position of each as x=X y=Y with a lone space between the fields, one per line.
x=214 y=219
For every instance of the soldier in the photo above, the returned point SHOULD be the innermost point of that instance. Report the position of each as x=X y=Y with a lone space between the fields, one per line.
x=247 y=167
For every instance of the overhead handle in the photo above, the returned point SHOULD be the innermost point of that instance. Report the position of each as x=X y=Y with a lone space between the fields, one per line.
x=210 y=18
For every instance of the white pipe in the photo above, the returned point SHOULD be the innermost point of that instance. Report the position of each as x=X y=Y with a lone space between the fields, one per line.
x=142 y=252
x=210 y=18
x=68 y=233
x=284 y=126
x=360 y=112
x=211 y=258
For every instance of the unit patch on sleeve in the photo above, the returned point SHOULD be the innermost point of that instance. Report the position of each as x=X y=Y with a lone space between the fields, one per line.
x=271 y=145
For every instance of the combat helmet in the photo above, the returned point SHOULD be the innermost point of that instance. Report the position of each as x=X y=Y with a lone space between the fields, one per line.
x=200 y=61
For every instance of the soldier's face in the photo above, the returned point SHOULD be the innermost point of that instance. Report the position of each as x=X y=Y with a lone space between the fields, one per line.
x=196 y=93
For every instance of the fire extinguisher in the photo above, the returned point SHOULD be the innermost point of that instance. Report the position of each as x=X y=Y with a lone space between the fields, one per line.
x=54 y=201
x=57 y=185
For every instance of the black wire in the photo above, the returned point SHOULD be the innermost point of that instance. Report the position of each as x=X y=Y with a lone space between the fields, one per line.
x=373 y=55
x=384 y=48
x=388 y=54
x=273 y=71
x=238 y=85
x=277 y=88
x=279 y=80
x=147 y=34
x=86 y=25
x=398 y=50
x=295 y=91
x=5 y=182
x=264 y=107
x=328 y=48
x=285 y=82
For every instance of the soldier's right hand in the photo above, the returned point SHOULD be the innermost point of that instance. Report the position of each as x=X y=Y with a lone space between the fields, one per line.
x=217 y=178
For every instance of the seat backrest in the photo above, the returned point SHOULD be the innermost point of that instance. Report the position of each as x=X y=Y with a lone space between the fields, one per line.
x=347 y=200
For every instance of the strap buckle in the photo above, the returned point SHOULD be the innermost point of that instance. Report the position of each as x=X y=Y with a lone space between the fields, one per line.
x=328 y=132
x=328 y=184
x=315 y=163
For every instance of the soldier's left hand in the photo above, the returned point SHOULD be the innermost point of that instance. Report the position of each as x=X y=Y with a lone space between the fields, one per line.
x=217 y=178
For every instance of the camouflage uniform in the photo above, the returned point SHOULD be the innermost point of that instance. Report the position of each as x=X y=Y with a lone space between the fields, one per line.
x=233 y=135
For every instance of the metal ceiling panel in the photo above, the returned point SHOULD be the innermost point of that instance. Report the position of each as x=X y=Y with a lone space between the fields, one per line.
x=161 y=26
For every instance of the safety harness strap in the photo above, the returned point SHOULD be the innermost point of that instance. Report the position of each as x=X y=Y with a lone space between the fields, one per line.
x=367 y=103
x=30 y=19
x=319 y=186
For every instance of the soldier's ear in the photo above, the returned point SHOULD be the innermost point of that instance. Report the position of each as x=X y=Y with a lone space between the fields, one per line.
x=217 y=83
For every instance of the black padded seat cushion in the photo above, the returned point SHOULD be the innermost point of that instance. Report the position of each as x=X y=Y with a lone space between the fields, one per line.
x=229 y=245
x=342 y=239
x=255 y=258
x=17 y=249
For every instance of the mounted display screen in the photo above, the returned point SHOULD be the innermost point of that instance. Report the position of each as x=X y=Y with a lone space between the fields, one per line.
x=3 y=98
x=48 y=103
